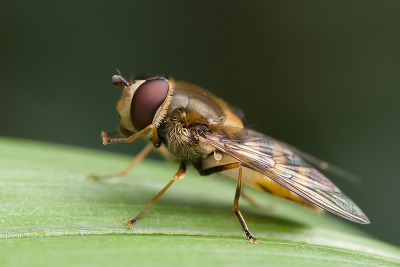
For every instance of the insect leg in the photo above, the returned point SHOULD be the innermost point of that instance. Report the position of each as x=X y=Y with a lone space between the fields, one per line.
x=236 y=210
x=215 y=169
x=178 y=176
x=107 y=134
x=235 y=207
x=132 y=164
x=156 y=141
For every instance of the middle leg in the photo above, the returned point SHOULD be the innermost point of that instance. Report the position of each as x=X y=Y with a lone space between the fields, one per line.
x=236 y=210
x=235 y=207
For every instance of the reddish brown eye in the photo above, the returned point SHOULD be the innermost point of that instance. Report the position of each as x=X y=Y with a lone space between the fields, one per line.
x=145 y=102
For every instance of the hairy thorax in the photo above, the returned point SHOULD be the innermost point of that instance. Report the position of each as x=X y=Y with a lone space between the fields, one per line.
x=176 y=132
x=191 y=108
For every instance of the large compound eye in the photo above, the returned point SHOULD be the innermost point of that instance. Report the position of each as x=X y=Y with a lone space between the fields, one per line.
x=147 y=99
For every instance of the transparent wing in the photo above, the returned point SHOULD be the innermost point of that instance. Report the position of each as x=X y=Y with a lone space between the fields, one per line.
x=323 y=165
x=276 y=161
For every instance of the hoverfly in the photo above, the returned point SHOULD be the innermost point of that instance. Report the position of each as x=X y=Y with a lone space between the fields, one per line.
x=191 y=125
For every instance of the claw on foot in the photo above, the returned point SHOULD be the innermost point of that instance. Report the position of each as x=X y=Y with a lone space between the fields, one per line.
x=106 y=141
x=104 y=134
x=253 y=240
x=128 y=224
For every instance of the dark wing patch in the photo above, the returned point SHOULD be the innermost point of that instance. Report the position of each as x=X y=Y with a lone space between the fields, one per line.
x=271 y=158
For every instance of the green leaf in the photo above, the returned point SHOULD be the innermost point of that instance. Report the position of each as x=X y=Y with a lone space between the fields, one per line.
x=52 y=213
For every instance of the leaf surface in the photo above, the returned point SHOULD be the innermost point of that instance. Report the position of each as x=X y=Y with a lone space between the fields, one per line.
x=52 y=213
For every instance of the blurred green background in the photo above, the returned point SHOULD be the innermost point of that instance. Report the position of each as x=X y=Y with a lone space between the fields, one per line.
x=323 y=76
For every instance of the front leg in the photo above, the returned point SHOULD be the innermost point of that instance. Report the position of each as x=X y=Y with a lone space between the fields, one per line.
x=151 y=127
x=107 y=134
